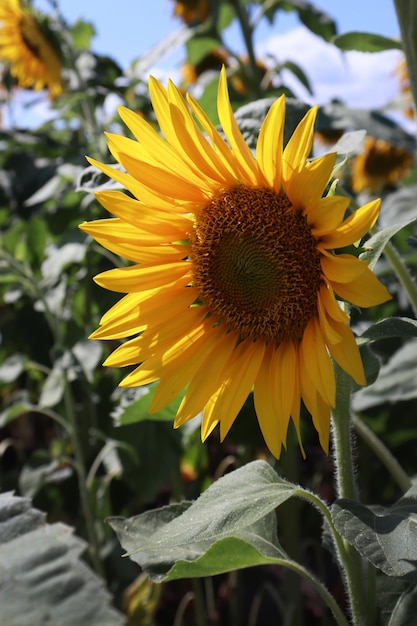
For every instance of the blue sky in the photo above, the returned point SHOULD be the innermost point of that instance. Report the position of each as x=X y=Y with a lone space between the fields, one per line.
x=126 y=29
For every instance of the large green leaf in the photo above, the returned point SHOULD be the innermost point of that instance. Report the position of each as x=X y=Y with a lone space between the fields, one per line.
x=365 y=42
x=405 y=611
x=396 y=380
x=388 y=328
x=231 y=525
x=42 y=579
x=390 y=593
x=399 y=206
x=385 y=537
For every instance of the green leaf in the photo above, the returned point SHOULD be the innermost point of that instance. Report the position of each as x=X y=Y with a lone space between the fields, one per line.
x=199 y=47
x=385 y=537
x=365 y=42
x=135 y=404
x=231 y=525
x=396 y=380
x=82 y=33
x=376 y=244
x=53 y=389
x=40 y=470
x=349 y=142
x=12 y=367
x=371 y=365
x=317 y=21
x=389 y=594
x=398 y=206
x=298 y=73
x=405 y=611
x=230 y=553
x=390 y=327
x=42 y=578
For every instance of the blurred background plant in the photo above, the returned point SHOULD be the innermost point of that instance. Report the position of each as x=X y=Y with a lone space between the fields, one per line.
x=71 y=441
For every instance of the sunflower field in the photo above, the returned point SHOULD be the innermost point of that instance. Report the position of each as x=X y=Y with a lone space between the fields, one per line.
x=208 y=328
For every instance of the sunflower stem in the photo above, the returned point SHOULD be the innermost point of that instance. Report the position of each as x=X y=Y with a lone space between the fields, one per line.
x=82 y=482
x=320 y=588
x=351 y=561
x=402 y=273
x=242 y=16
x=383 y=453
x=290 y=516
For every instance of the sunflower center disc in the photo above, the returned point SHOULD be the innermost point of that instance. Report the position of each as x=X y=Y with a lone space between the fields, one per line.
x=256 y=264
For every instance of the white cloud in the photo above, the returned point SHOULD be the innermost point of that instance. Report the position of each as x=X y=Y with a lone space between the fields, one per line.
x=359 y=79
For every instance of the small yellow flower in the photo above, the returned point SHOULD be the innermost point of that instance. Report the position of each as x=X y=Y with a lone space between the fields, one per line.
x=32 y=56
x=379 y=165
x=235 y=277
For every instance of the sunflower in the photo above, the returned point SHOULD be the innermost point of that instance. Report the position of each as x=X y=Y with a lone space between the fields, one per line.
x=192 y=12
x=234 y=277
x=25 y=45
x=380 y=165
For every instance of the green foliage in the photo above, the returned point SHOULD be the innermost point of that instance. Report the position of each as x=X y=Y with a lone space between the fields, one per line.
x=365 y=42
x=42 y=579
x=385 y=537
x=231 y=525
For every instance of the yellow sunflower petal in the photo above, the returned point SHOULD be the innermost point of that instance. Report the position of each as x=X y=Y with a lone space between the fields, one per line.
x=226 y=160
x=157 y=157
x=142 y=277
x=182 y=346
x=270 y=422
x=299 y=145
x=332 y=305
x=241 y=375
x=352 y=229
x=316 y=364
x=346 y=354
x=159 y=177
x=343 y=268
x=269 y=146
x=364 y=292
x=331 y=335
x=306 y=187
x=154 y=344
x=321 y=421
x=243 y=155
x=284 y=378
x=193 y=145
x=178 y=372
x=134 y=312
x=206 y=378
x=327 y=214
x=126 y=241
x=165 y=226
